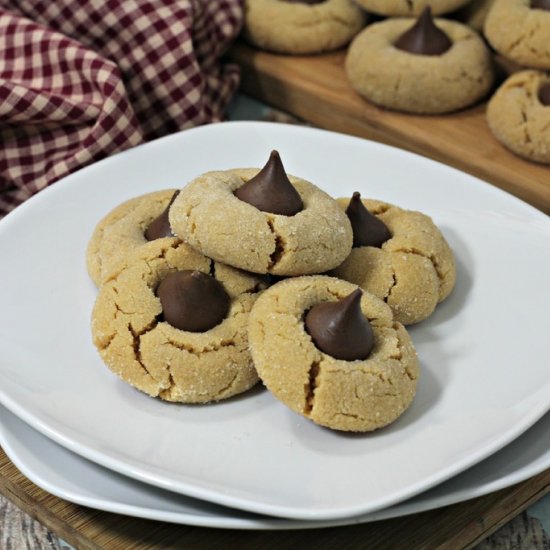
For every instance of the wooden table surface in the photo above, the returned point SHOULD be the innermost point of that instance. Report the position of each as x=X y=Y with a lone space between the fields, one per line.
x=458 y=526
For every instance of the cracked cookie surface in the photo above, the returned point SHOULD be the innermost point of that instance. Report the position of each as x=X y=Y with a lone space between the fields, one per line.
x=121 y=231
x=296 y=28
x=159 y=359
x=410 y=7
x=360 y=395
x=412 y=272
x=424 y=84
x=208 y=216
x=518 y=119
x=519 y=32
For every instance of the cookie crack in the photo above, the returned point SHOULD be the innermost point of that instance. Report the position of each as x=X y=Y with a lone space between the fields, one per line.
x=226 y=388
x=431 y=257
x=311 y=386
x=391 y=287
x=136 y=343
x=224 y=343
x=277 y=254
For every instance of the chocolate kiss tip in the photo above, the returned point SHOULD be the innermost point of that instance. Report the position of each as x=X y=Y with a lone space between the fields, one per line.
x=544 y=94
x=160 y=226
x=192 y=301
x=340 y=329
x=424 y=37
x=270 y=189
x=367 y=229
x=540 y=5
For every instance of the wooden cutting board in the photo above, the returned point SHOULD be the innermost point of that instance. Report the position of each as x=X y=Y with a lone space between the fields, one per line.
x=315 y=88
x=458 y=526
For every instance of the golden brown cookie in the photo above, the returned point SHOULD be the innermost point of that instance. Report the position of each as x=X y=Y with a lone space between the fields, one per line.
x=519 y=32
x=410 y=7
x=412 y=271
x=141 y=347
x=209 y=216
x=300 y=27
x=360 y=395
x=411 y=82
x=518 y=116
x=123 y=230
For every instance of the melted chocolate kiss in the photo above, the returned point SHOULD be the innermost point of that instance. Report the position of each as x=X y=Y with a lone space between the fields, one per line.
x=160 y=227
x=340 y=329
x=540 y=5
x=270 y=190
x=544 y=94
x=193 y=301
x=368 y=230
x=424 y=38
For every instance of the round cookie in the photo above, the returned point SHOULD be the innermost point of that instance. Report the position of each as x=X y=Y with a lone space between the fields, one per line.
x=410 y=7
x=301 y=27
x=360 y=395
x=412 y=272
x=209 y=216
x=122 y=230
x=518 y=117
x=138 y=345
x=519 y=32
x=424 y=84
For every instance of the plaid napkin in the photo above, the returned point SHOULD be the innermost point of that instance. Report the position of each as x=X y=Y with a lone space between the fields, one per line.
x=82 y=79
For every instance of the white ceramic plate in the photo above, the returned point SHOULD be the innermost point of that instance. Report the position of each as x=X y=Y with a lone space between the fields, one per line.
x=73 y=478
x=484 y=353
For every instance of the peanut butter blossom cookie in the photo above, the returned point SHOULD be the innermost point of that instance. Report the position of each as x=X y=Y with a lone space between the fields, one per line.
x=130 y=225
x=333 y=353
x=301 y=26
x=398 y=255
x=421 y=66
x=410 y=7
x=262 y=221
x=519 y=30
x=173 y=324
x=519 y=115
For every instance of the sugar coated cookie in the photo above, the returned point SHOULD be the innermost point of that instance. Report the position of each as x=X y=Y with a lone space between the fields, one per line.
x=130 y=225
x=412 y=269
x=519 y=115
x=301 y=27
x=411 y=7
x=299 y=325
x=262 y=221
x=173 y=324
x=420 y=66
x=519 y=30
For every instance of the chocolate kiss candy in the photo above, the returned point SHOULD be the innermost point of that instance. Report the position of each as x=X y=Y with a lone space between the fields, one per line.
x=340 y=329
x=193 y=301
x=368 y=230
x=270 y=190
x=544 y=94
x=160 y=227
x=424 y=38
x=540 y=5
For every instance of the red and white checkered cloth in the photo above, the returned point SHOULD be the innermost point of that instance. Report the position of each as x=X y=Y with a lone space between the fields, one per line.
x=82 y=79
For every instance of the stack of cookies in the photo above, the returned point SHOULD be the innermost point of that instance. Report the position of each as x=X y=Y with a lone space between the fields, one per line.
x=249 y=274
x=406 y=60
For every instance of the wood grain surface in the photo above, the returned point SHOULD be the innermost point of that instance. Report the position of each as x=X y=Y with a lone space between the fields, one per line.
x=458 y=526
x=316 y=89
